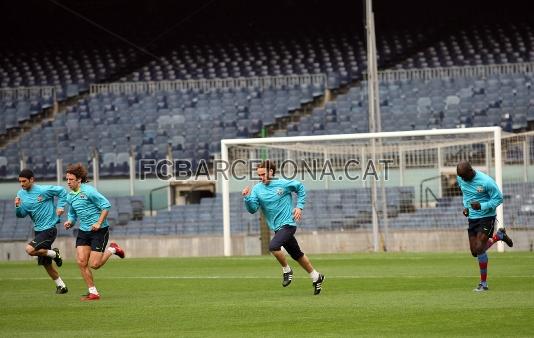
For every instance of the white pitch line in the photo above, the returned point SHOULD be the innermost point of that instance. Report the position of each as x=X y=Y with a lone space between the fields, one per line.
x=252 y=277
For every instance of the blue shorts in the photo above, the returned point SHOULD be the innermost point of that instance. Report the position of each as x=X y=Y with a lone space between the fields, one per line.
x=484 y=224
x=285 y=237
x=97 y=240
x=43 y=240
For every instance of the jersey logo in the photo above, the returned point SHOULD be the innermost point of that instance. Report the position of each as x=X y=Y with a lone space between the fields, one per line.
x=280 y=191
x=480 y=188
x=82 y=196
x=39 y=198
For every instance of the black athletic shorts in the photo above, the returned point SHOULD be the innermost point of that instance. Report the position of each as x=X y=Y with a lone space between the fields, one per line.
x=484 y=224
x=97 y=240
x=285 y=237
x=43 y=240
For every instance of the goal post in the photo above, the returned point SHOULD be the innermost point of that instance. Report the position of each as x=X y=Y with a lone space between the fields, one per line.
x=404 y=156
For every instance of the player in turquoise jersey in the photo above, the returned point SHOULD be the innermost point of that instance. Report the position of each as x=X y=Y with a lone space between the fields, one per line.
x=37 y=201
x=274 y=198
x=481 y=197
x=91 y=208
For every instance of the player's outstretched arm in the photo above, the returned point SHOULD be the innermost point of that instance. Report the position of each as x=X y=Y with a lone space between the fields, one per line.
x=475 y=205
x=299 y=189
x=297 y=214
x=71 y=218
x=465 y=212
x=51 y=191
x=251 y=200
x=20 y=212
x=495 y=195
x=101 y=220
x=68 y=225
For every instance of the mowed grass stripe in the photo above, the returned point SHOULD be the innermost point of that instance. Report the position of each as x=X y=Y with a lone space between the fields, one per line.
x=395 y=295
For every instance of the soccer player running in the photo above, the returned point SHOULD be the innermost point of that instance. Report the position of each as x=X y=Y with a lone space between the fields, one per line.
x=481 y=196
x=274 y=197
x=37 y=201
x=91 y=208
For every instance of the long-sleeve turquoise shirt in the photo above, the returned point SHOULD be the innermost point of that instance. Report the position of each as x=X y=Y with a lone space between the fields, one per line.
x=38 y=203
x=87 y=204
x=481 y=188
x=276 y=201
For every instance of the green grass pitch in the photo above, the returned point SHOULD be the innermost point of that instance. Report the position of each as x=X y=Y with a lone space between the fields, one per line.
x=388 y=294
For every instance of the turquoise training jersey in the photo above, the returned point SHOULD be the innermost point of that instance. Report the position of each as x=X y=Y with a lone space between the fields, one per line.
x=86 y=205
x=38 y=203
x=481 y=188
x=276 y=201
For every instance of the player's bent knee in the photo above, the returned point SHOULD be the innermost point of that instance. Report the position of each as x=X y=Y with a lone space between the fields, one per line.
x=481 y=251
x=297 y=255
x=81 y=262
x=480 y=248
x=30 y=250
x=273 y=248
x=95 y=266
x=46 y=263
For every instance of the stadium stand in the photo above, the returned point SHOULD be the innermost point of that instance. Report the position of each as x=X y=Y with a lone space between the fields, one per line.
x=125 y=210
x=70 y=69
x=443 y=103
x=499 y=100
x=191 y=123
x=477 y=44
x=340 y=56
x=150 y=123
x=346 y=209
x=12 y=228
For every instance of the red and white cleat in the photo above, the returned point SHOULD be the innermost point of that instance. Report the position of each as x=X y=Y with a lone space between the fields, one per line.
x=90 y=296
x=118 y=250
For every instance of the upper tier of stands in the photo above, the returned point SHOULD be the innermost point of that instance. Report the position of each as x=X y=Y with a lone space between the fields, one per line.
x=476 y=45
x=192 y=122
x=341 y=56
x=69 y=70
x=474 y=101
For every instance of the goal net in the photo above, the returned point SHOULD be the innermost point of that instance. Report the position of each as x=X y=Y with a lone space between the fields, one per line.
x=381 y=183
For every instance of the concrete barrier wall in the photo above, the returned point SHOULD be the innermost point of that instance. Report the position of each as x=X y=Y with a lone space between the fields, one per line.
x=311 y=243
